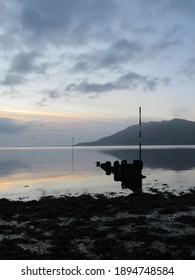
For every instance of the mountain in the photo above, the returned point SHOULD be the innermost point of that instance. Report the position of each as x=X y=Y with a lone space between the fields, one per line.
x=173 y=132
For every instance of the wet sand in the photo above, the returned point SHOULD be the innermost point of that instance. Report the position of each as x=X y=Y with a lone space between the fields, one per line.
x=138 y=226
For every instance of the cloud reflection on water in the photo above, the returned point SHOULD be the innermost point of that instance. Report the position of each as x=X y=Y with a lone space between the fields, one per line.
x=50 y=169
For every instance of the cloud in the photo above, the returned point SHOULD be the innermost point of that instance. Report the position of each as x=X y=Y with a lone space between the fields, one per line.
x=43 y=102
x=163 y=45
x=81 y=66
x=22 y=64
x=86 y=87
x=13 y=80
x=64 y=20
x=134 y=80
x=53 y=94
x=49 y=96
x=129 y=81
x=180 y=112
x=26 y=62
x=188 y=69
x=11 y=126
x=186 y=7
x=119 y=52
x=54 y=51
x=9 y=25
x=123 y=52
x=116 y=54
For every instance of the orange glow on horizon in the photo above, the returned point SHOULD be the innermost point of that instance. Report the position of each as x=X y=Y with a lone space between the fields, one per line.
x=8 y=184
x=23 y=114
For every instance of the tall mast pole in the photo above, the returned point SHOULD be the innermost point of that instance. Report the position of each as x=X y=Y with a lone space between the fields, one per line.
x=73 y=154
x=140 y=135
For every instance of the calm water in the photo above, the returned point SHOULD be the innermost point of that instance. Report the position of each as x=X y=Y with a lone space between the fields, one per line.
x=34 y=172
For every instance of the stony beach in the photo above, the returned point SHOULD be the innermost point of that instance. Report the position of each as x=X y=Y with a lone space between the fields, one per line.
x=138 y=226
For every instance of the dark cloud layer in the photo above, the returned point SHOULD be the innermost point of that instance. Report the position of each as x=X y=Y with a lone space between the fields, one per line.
x=128 y=81
x=123 y=52
x=11 y=126
x=13 y=80
x=21 y=64
x=122 y=32
x=189 y=69
x=186 y=7
x=26 y=62
x=64 y=20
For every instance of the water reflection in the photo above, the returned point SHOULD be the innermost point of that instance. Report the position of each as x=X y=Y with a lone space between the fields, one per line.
x=172 y=159
x=30 y=166
x=50 y=171
x=165 y=167
x=8 y=167
x=34 y=172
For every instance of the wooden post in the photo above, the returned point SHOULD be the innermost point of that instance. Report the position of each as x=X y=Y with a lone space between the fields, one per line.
x=140 y=136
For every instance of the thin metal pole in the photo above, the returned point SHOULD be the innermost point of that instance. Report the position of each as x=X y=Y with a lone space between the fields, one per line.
x=73 y=154
x=140 y=135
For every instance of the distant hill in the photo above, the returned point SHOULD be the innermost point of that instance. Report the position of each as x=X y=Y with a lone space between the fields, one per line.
x=173 y=132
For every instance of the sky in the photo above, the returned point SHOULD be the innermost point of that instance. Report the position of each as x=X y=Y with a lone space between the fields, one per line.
x=82 y=68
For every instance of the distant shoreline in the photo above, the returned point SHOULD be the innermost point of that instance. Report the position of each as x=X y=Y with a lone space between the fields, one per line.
x=172 y=132
x=89 y=145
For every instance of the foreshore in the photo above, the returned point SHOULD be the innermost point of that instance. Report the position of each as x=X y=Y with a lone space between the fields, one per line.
x=138 y=226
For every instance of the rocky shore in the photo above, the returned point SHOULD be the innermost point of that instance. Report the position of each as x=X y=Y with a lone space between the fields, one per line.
x=137 y=226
